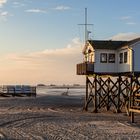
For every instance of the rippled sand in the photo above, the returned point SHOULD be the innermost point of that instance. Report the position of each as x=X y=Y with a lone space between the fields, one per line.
x=59 y=117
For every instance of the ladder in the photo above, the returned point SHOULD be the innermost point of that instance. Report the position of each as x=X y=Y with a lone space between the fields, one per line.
x=134 y=98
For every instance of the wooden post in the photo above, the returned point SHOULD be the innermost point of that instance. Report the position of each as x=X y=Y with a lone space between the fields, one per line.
x=135 y=93
x=99 y=92
x=119 y=92
x=108 y=93
x=131 y=99
x=95 y=98
x=86 y=98
x=127 y=98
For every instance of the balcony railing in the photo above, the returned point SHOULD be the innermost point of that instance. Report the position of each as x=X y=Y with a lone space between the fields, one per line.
x=85 y=68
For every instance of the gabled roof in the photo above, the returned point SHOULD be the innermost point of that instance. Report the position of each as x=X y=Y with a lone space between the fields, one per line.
x=110 y=44
x=104 y=44
x=134 y=41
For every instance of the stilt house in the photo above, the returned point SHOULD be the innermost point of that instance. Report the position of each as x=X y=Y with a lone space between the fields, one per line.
x=110 y=57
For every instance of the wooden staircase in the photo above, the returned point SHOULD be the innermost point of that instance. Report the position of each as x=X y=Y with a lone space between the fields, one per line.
x=134 y=98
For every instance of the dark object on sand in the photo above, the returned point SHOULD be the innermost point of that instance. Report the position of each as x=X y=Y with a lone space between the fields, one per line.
x=66 y=93
x=41 y=85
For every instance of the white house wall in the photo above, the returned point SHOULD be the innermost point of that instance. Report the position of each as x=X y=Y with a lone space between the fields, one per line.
x=117 y=66
x=90 y=57
x=136 y=51
x=125 y=67
x=104 y=67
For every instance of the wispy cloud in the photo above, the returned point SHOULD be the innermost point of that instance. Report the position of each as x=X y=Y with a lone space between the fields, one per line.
x=2 y=2
x=36 y=11
x=131 y=23
x=125 y=18
x=4 y=15
x=62 y=7
x=18 y=4
x=70 y=49
x=125 y=36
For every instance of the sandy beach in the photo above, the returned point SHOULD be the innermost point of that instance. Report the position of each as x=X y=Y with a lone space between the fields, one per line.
x=60 y=117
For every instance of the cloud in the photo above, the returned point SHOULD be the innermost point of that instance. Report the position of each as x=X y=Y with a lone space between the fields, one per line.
x=61 y=8
x=71 y=49
x=131 y=23
x=2 y=2
x=18 y=4
x=125 y=18
x=35 y=11
x=57 y=66
x=4 y=15
x=125 y=36
x=128 y=20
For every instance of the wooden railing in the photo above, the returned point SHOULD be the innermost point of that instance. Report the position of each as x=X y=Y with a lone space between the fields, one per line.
x=85 y=68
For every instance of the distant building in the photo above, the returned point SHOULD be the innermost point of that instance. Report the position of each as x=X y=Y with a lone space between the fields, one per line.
x=110 y=57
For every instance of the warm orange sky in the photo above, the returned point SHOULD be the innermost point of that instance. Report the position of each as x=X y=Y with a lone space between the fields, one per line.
x=51 y=66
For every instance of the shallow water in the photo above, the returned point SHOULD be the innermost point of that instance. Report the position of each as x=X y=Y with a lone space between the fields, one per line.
x=59 y=91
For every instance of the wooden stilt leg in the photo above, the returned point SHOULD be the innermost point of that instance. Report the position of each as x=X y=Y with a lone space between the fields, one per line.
x=132 y=117
x=108 y=94
x=132 y=99
x=86 y=98
x=119 y=91
x=95 y=98
x=99 y=92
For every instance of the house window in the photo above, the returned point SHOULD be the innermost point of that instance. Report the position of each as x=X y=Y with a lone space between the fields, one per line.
x=121 y=57
x=111 y=58
x=103 y=57
x=125 y=57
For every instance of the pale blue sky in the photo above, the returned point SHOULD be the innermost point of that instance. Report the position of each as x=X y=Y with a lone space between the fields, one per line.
x=30 y=27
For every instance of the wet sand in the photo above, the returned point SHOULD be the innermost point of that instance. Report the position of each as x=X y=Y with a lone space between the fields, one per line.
x=60 y=117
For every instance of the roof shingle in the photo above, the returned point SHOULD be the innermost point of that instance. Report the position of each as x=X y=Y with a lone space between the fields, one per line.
x=104 y=44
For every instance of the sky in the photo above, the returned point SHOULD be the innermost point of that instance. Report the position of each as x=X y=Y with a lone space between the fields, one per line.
x=41 y=41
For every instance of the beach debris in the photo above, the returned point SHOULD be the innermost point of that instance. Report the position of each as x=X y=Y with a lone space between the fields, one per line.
x=29 y=109
x=66 y=93
x=2 y=136
x=52 y=110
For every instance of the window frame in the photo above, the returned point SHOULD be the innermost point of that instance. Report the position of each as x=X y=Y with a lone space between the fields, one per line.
x=125 y=57
x=121 y=57
x=103 y=57
x=111 y=58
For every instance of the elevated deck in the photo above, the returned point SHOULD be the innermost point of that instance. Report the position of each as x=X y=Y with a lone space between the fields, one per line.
x=85 y=68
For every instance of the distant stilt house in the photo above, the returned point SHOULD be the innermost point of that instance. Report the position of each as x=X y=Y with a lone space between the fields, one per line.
x=104 y=59
x=110 y=57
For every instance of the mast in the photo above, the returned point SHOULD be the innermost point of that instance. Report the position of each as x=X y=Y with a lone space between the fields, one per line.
x=86 y=26
x=86 y=32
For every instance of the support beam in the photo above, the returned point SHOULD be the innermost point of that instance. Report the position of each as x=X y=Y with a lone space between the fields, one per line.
x=119 y=92
x=86 y=97
x=110 y=94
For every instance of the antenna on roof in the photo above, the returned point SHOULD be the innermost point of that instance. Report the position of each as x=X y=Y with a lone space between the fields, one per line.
x=86 y=26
